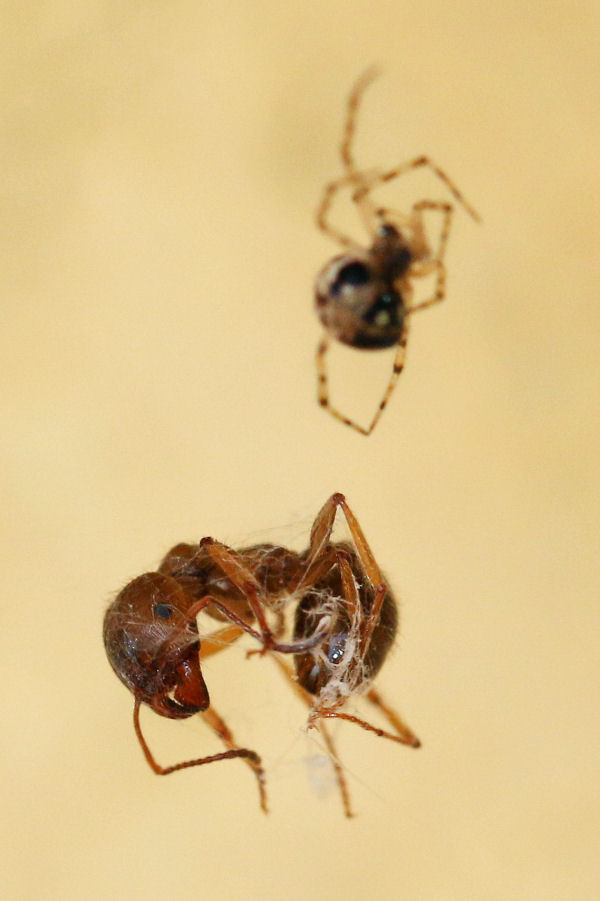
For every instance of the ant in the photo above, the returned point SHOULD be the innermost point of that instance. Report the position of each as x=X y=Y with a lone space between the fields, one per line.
x=363 y=297
x=345 y=622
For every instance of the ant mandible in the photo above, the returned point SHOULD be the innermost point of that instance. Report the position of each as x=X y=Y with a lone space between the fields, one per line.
x=345 y=623
x=363 y=297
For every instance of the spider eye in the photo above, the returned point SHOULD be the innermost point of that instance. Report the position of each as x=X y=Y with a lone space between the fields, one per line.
x=163 y=611
x=353 y=275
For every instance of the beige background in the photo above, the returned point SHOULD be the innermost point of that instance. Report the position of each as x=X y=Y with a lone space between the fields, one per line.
x=161 y=165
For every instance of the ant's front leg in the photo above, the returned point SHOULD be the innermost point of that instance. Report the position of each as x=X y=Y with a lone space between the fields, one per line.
x=244 y=580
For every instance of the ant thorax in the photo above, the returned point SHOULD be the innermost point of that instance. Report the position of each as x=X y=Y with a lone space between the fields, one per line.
x=274 y=568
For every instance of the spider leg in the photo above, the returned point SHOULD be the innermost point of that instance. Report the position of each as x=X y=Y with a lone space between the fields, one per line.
x=417 y=163
x=323 y=389
x=440 y=285
x=322 y=213
x=360 y=195
x=338 y=769
x=385 y=215
x=353 y=175
x=435 y=262
x=417 y=223
x=251 y=757
x=353 y=104
x=397 y=367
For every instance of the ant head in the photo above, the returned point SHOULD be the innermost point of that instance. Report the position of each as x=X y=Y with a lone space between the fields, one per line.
x=152 y=645
x=358 y=303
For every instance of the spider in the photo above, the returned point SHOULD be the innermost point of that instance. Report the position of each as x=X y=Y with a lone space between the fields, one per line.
x=363 y=297
x=345 y=617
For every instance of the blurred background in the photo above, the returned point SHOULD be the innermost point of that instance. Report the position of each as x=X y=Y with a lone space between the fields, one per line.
x=161 y=167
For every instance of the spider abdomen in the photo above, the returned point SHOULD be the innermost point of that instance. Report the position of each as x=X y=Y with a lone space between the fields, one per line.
x=358 y=304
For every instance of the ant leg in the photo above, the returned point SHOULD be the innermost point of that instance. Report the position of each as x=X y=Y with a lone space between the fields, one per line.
x=360 y=626
x=323 y=526
x=417 y=163
x=349 y=589
x=393 y=718
x=198 y=606
x=232 y=565
x=217 y=641
x=251 y=756
x=219 y=726
x=404 y=739
x=323 y=389
x=338 y=769
x=319 y=537
x=318 y=566
x=243 y=579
